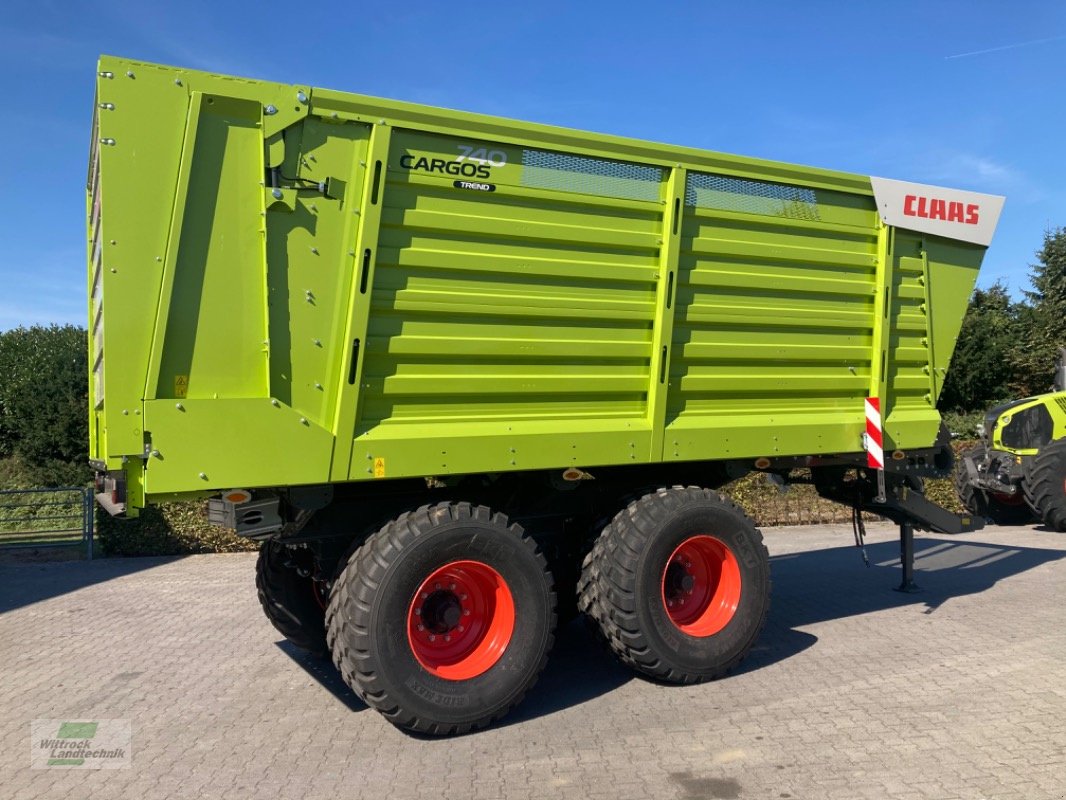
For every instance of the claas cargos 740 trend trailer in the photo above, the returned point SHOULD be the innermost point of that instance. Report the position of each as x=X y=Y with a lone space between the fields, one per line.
x=453 y=369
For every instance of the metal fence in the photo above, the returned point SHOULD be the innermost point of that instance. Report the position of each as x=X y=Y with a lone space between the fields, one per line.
x=47 y=518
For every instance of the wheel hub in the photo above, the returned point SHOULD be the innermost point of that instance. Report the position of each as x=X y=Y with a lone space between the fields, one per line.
x=441 y=612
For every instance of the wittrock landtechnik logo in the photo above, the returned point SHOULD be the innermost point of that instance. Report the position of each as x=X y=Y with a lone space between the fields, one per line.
x=74 y=744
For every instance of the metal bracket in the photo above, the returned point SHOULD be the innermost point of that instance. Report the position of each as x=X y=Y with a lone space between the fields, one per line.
x=906 y=559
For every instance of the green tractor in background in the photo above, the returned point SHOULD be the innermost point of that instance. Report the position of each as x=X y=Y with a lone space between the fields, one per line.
x=1019 y=468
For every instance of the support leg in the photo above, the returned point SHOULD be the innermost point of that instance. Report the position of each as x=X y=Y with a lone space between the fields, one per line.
x=906 y=557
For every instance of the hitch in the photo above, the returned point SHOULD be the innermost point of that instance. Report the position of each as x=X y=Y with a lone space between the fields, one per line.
x=905 y=506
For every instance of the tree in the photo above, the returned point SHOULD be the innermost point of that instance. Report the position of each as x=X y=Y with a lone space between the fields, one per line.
x=44 y=401
x=1043 y=328
x=980 y=372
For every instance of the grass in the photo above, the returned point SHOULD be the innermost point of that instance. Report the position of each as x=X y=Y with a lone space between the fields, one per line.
x=33 y=517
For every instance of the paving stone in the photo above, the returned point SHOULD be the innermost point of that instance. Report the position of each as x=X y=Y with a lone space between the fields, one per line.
x=853 y=691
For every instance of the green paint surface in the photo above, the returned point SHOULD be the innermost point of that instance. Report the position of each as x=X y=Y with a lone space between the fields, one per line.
x=291 y=291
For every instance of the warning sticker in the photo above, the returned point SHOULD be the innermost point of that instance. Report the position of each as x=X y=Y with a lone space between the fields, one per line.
x=181 y=385
x=379 y=467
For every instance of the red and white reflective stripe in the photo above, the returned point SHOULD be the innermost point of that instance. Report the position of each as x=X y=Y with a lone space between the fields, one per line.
x=875 y=453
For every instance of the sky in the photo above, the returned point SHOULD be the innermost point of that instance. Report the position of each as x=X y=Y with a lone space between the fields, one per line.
x=962 y=94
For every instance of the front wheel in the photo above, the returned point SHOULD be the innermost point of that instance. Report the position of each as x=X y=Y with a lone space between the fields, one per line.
x=679 y=585
x=443 y=619
x=1046 y=487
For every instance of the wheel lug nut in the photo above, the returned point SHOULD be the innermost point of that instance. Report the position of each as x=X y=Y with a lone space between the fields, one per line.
x=451 y=587
x=421 y=627
x=425 y=596
x=670 y=603
x=462 y=597
x=447 y=638
x=432 y=638
x=466 y=612
x=418 y=612
x=461 y=629
x=437 y=585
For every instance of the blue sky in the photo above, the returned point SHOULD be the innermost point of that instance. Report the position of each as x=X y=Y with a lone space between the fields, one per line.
x=964 y=94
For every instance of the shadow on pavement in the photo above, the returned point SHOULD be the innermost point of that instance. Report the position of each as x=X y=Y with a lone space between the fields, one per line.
x=809 y=587
x=22 y=584
x=575 y=654
x=579 y=669
x=322 y=670
x=827 y=584
x=822 y=585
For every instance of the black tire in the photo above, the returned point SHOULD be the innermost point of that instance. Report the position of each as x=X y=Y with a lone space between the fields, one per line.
x=625 y=578
x=288 y=598
x=368 y=618
x=586 y=598
x=998 y=509
x=1047 y=486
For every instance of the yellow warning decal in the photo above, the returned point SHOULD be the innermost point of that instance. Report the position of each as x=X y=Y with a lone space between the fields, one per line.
x=379 y=467
x=181 y=385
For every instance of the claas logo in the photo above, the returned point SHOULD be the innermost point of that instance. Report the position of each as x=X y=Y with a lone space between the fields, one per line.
x=916 y=205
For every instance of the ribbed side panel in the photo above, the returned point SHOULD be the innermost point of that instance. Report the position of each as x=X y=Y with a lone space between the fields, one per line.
x=909 y=368
x=521 y=304
x=96 y=287
x=775 y=302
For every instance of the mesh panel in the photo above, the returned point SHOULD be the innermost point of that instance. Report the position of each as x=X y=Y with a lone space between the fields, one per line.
x=751 y=197
x=542 y=169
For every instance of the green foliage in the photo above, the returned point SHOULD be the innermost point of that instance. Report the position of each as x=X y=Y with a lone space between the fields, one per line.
x=15 y=475
x=165 y=530
x=963 y=424
x=1007 y=350
x=980 y=373
x=1043 y=321
x=43 y=402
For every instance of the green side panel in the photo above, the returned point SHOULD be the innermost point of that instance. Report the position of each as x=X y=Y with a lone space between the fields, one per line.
x=214 y=288
x=310 y=263
x=292 y=286
x=953 y=268
x=774 y=323
x=931 y=284
x=214 y=444
x=523 y=314
x=136 y=146
x=910 y=417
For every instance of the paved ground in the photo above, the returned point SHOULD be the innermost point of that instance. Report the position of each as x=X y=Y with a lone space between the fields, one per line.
x=854 y=691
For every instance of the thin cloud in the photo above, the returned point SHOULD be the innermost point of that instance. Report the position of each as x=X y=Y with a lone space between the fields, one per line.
x=982 y=169
x=1001 y=48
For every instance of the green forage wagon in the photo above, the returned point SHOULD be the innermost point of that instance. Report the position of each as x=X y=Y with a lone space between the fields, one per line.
x=461 y=375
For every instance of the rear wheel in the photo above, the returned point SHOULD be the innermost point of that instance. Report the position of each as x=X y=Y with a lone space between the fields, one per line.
x=292 y=601
x=443 y=619
x=1000 y=508
x=679 y=585
x=1046 y=490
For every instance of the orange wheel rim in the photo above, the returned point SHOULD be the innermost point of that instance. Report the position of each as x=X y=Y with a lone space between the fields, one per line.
x=461 y=620
x=701 y=586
